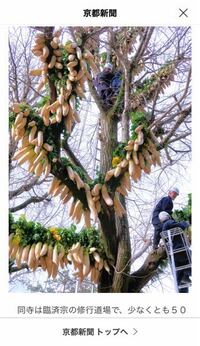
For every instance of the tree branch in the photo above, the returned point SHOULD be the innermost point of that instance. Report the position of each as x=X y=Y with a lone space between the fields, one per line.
x=95 y=96
x=15 y=74
x=177 y=103
x=14 y=269
x=25 y=187
x=33 y=199
x=75 y=159
x=143 y=46
x=179 y=137
x=178 y=122
x=142 y=250
x=146 y=272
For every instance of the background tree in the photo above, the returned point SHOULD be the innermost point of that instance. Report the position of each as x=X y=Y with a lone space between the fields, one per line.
x=150 y=115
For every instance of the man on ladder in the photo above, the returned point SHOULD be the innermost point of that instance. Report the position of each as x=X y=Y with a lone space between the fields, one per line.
x=177 y=249
x=165 y=204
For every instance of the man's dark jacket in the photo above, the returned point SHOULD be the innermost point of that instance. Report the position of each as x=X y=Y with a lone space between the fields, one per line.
x=169 y=224
x=177 y=238
x=103 y=80
x=165 y=204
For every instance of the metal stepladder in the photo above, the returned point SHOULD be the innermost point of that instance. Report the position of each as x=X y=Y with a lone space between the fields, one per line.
x=169 y=237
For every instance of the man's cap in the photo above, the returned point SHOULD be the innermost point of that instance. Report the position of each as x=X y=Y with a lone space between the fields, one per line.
x=108 y=65
x=174 y=189
x=163 y=216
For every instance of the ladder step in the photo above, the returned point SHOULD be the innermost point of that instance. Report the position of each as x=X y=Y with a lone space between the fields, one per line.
x=183 y=249
x=186 y=266
x=185 y=285
x=173 y=232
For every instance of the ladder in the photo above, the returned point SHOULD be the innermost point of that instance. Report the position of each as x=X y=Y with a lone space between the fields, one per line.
x=169 y=238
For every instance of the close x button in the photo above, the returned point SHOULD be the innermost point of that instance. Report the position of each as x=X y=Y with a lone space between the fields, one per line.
x=183 y=12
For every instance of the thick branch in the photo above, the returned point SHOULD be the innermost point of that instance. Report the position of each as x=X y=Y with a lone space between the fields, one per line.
x=146 y=272
x=14 y=269
x=95 y=96
x=33 y=199
x=60 y=172
x=125 y=117
x=75 y=159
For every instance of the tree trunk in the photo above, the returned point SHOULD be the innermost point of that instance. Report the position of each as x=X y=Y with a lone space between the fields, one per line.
x=108 y=137
x=122 y=270
x=115 y=232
